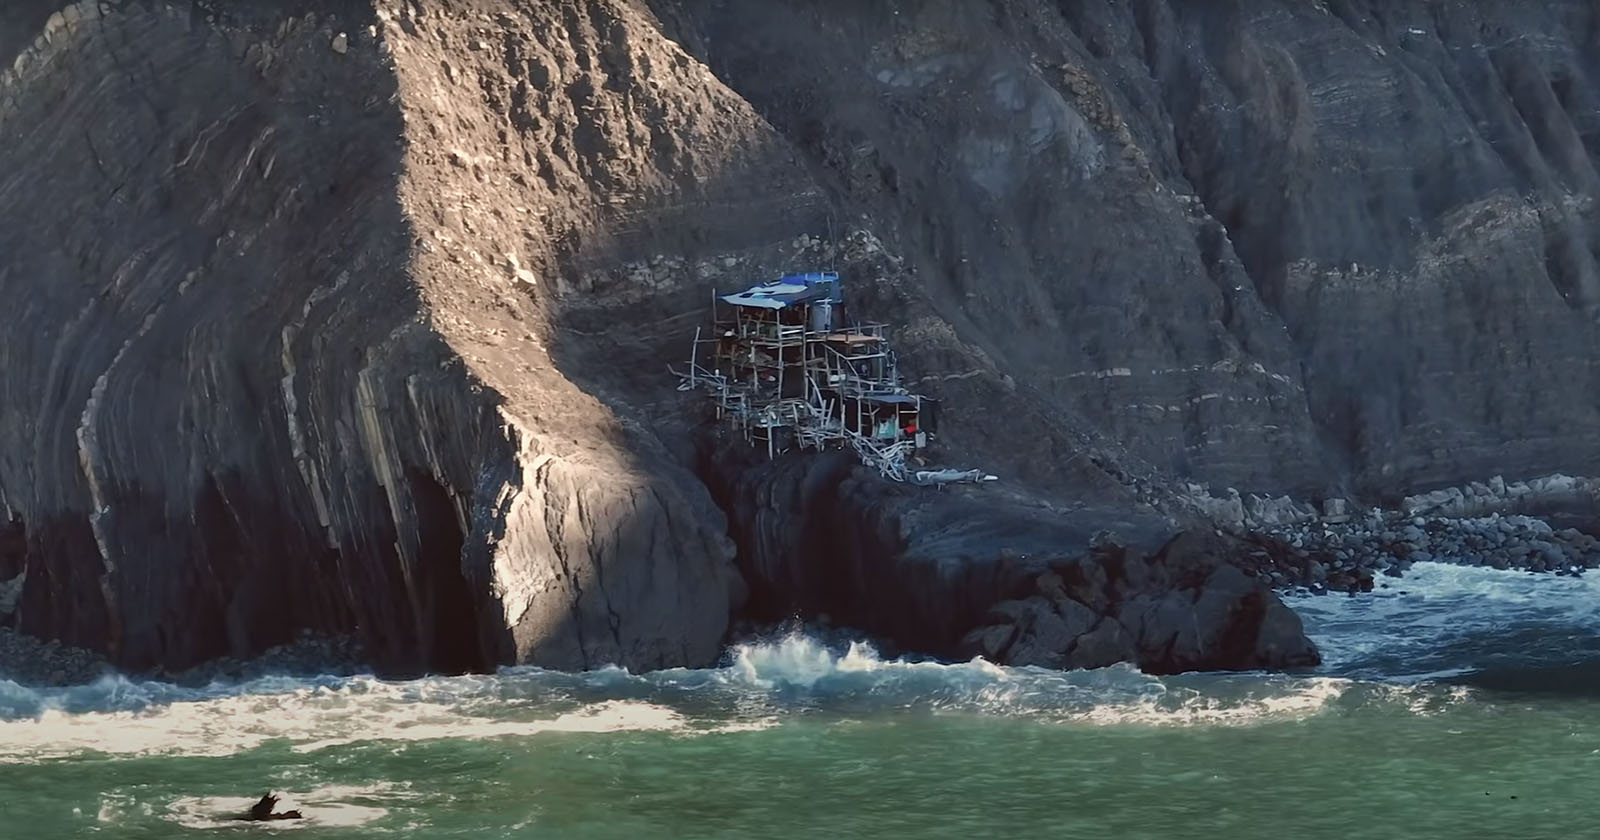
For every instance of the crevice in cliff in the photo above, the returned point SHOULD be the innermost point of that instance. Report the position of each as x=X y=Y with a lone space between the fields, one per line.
x=235 y=619
x=13 y=566
x=63 y=598
x=793 y=550
x=597 y=561
x=555 y=526
x=455 y=643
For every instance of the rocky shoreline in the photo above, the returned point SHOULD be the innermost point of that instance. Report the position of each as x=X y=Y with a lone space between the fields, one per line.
x=1348 y=556
x=29 y=661
x=1544 y=524
x=1300 y=558
x=963 y=582
x=34 y=662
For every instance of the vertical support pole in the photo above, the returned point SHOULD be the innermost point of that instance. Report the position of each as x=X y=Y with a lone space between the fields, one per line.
x=694 y=358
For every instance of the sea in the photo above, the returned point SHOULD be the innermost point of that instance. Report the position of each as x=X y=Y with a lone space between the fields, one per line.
x=1455 y=702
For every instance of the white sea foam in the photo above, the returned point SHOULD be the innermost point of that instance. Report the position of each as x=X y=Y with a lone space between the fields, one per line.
x=799 y=661
x=227 y=720
x=1120 y=695
x=1423 y=626
x=761 y=685
x=441 y=723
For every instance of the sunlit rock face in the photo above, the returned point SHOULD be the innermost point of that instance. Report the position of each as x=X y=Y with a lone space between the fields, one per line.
x=235 y=407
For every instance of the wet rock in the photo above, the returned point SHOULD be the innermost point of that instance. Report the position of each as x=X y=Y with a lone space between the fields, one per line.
x=1046 y=631
x=990 y=642
x=1107 y=644
x=30 y=661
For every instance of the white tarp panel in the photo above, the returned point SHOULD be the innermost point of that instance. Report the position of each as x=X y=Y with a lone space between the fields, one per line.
x=767 y=297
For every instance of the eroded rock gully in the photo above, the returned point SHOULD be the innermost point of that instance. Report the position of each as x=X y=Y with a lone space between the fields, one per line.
x=366 y=334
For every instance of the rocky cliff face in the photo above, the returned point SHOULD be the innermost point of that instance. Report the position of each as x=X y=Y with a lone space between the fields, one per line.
x=245 y=394
x=353 y=316
x=1333 y=246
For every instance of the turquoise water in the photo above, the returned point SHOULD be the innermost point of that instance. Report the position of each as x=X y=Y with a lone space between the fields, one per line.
x=1465 y=707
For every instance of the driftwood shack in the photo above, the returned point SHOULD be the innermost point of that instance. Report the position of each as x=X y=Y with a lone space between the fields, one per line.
x=787 y=366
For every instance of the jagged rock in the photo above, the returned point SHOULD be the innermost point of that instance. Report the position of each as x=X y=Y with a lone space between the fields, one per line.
x=1107 y=644
x=971 y=577
x=990 y=642
x=1044 y=635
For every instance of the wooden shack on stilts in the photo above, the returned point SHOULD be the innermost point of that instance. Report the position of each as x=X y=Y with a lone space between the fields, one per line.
x=786 y=367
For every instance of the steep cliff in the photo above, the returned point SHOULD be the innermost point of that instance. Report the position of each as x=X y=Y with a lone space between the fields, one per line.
x=1335 y=246
x=354 y=316
x=249 y=388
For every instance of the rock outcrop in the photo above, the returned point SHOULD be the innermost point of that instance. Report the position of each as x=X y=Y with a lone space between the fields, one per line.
x=1348 y=556
x=962 y=574
x=352 y=316
x=1328 y=247
x=1185 y=608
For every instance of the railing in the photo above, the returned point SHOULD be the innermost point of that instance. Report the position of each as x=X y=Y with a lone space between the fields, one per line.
x=757 y=409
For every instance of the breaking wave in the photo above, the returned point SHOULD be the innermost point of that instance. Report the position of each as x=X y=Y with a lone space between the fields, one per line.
x=762 y=684
x=1448 y=622
x=1410 y=646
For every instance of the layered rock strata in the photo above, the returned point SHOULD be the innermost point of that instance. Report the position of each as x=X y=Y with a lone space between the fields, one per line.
x=238 y=400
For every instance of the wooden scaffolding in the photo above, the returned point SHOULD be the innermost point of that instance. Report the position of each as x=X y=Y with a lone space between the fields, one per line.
x=781 y=365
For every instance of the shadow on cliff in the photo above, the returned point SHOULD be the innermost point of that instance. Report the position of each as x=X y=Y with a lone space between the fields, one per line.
x=220 y=318
x=816 y=534
x=812 y=537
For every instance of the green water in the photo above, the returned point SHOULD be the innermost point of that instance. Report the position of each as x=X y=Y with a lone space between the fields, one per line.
x=1375 y=772
x=793 y=740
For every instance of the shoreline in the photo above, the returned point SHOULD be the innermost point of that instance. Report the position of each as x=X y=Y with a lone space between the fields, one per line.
x=1295 y=556
x=1350 y=556
x=35 y=663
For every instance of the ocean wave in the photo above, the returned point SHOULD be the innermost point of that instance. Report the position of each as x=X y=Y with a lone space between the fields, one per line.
x=1442 y=621
x=802 y=671
x=760 y=685
x=225 y=720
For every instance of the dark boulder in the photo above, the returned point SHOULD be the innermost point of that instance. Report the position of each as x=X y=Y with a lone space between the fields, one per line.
x=1184 y=609
x=959 y=574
